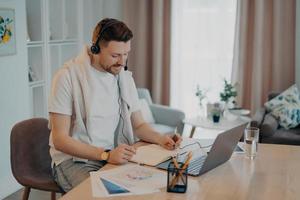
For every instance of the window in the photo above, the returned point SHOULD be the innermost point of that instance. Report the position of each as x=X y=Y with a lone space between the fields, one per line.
x=202 y=49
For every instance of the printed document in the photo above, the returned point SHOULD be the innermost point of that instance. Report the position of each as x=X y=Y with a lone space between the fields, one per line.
x=128 y=179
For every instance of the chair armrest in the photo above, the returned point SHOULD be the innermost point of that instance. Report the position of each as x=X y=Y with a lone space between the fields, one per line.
x=168 y=116
x=269 y=126
x=258 y=117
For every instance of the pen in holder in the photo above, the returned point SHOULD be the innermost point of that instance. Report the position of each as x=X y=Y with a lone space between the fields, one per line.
x=177 y=177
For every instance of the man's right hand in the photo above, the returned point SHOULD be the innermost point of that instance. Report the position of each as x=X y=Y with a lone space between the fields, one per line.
x=122 y=154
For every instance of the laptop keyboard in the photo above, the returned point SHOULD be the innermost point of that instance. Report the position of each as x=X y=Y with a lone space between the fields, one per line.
x=194 y=166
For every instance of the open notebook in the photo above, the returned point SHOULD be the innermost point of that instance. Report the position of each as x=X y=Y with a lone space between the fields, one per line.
x=154 y=154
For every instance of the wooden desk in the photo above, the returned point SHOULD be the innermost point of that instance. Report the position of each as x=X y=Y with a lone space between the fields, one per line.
x=274 y=174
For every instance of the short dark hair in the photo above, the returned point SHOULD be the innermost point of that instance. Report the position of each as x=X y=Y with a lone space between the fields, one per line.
x=116 y=31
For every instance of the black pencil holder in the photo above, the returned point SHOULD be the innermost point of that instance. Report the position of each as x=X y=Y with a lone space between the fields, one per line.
x=177 y=178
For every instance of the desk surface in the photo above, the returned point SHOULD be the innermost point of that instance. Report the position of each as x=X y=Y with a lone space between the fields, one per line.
x=274 y=174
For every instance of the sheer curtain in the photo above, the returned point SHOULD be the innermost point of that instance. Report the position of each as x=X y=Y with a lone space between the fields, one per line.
x=202 y=38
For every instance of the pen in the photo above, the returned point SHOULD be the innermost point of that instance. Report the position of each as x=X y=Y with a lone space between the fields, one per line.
x=177 y=167
x=184 y=166
x=175 y=138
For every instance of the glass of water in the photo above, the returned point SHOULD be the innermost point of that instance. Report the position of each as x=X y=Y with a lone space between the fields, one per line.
x=251 y=136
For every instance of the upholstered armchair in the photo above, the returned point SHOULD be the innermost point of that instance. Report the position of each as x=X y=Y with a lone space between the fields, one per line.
x=162 y=118
x=270 y=130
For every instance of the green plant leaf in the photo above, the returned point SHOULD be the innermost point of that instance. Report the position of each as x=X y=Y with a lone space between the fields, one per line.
x=1 y=20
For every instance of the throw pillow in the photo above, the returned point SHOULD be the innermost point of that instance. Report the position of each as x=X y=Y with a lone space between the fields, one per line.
x=286 y=107
x=146 y=112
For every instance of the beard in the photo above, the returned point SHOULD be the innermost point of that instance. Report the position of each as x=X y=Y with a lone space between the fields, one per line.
x=114 y=69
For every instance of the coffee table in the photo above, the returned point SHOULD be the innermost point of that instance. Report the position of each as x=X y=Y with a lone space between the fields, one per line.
x=223 y=125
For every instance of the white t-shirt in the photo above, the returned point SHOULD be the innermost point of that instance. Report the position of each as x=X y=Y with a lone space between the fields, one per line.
x=102 y=99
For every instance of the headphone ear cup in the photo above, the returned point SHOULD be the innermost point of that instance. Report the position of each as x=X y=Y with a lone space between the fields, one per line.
x=95 y=49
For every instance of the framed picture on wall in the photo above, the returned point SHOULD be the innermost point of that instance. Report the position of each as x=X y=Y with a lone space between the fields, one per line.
x=7 y=32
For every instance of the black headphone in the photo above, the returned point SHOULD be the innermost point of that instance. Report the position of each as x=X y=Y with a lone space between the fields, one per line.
x=95 y=48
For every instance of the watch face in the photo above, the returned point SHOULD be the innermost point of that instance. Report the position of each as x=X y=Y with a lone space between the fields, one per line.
x=104 y=155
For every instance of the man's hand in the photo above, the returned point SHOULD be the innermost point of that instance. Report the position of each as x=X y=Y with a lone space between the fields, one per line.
x=122 y=154
x=170 y=142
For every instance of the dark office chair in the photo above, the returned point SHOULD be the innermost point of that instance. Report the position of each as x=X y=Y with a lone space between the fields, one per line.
x=30 y=158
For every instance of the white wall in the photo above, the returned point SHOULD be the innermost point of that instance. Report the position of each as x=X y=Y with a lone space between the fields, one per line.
x=14 y=94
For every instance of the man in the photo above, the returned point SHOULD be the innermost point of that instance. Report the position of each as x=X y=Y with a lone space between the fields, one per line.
x=94 y=110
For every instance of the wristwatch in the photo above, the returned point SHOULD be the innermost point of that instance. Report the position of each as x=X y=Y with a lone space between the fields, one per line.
x=105 y=155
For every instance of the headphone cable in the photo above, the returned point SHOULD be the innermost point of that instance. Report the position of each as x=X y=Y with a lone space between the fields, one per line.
x=120 y=109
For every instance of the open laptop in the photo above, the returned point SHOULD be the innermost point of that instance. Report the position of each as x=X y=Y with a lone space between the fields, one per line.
x=220 y=152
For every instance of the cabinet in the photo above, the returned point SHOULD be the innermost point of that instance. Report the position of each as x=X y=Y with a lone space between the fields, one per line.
x=53 y=38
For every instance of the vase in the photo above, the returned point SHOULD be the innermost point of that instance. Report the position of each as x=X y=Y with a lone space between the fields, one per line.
x=201 y=111
x=225 y=110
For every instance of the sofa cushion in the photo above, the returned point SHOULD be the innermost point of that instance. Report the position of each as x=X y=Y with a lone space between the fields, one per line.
x=282 y=136
x=286 y=107
x=146 y=112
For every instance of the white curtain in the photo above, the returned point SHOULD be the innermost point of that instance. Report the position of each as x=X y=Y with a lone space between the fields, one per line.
x=202 y=38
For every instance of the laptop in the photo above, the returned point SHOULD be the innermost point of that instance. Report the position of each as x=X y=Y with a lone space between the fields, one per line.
x=220 y=152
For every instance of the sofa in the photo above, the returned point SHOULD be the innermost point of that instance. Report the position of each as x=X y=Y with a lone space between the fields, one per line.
x=270 y=130
x=165 y=119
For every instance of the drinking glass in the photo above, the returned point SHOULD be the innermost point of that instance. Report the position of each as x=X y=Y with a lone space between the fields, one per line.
x=251 y=136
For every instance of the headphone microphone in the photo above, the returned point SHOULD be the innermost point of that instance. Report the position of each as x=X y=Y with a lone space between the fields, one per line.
x=126 y=67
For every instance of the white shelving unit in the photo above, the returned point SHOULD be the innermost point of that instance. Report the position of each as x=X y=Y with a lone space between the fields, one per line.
x=56 y=31
x=53 y=38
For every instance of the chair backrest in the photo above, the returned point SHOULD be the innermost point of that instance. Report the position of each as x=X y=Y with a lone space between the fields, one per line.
x=144 y=94
x=272 y=95
x=30 y=158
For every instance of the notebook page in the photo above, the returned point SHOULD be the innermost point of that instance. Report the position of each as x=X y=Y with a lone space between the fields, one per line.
x=152 y=155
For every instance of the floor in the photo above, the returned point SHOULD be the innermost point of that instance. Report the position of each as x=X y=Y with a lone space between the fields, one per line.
x=34 y=195
x=40 y=195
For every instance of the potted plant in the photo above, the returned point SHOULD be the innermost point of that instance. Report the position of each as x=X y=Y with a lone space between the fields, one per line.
x=228 y=94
